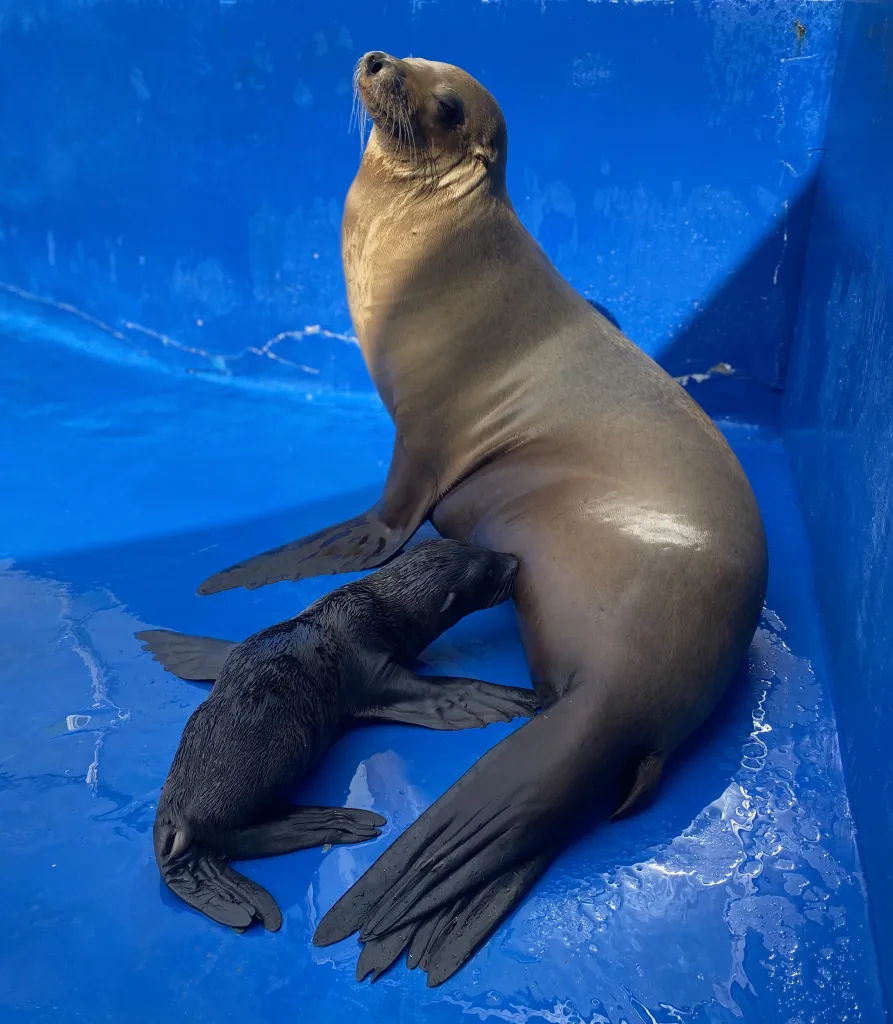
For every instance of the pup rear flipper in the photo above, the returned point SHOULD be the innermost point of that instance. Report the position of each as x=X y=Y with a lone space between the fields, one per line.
x=198 y=659
x=300 y=828
x=209 y=885
x=447 y=702
x=364 y=542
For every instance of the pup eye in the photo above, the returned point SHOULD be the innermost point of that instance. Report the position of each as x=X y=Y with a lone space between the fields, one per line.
x=449 y=110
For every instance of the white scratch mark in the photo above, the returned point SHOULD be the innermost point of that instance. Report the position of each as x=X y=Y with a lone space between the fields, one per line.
x=139 y=85
x=219 y=362
x=721 y=369
x=784 y=244
x=165 y=339
x=66 y=307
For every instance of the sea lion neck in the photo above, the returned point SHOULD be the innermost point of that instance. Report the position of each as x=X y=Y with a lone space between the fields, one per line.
x=398 y=171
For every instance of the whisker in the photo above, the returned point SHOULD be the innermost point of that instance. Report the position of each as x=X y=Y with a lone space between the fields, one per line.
x=358 y=114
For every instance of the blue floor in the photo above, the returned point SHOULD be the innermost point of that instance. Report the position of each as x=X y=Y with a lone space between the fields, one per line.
x=737 y=896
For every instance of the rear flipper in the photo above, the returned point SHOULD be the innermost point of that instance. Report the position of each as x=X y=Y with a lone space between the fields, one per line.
x=364 y=542
x=209 y=885
x=460 y=935
x=416 y=938
x=196 y=658
x=442 y=942
x=486 y=840
x=300 y=828
x=491 y=819
x=447 y=702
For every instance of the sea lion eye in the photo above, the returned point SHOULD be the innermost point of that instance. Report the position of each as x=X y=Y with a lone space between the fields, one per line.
x=449 y=110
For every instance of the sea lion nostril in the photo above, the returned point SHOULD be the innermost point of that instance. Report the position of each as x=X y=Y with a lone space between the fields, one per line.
x=374 y=63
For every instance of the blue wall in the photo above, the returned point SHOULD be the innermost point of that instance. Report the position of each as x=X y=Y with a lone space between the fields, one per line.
x=839 y=420
x=177 y=170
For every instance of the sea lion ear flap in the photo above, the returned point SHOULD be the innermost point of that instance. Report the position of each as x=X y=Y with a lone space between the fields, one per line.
x=484 y=155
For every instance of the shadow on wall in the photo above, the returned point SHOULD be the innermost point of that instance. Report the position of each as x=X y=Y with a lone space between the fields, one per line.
x=720 y=354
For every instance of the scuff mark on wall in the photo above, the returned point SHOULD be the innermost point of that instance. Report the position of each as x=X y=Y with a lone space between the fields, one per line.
x=65 y=307
x=784 y=245
x=139 y=85
x=218 y=363
x=722 y=369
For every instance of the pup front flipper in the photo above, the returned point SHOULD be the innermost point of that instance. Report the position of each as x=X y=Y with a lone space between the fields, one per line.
x=449 y=702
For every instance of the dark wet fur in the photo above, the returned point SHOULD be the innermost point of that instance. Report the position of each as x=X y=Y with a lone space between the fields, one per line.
x=284 y=695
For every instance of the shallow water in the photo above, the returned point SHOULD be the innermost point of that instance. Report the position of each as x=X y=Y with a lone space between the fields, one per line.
x=736 y=896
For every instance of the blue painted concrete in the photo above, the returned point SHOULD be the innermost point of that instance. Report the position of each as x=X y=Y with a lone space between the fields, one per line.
x=176 y=170
x=736 y=896
x=839 y=420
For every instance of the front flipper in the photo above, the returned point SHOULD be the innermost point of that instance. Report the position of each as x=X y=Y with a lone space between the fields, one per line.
x=450 y=703
x=209 y=885
x=364 y=542
x=301 y=828
x=198 y=659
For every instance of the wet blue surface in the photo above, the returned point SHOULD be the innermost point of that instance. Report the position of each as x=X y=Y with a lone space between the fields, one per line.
x=736 y=896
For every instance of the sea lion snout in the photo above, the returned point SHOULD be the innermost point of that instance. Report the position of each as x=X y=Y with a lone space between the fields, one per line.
x=374 y=61
x=379 y=80
x=503 y=572
x=376 y=70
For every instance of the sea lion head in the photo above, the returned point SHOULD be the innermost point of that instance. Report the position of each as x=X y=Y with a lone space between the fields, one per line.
x=432 y=117
x=438 y=582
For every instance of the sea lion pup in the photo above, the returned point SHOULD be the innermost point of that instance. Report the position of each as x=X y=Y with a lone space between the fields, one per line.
x=525 y=422
x=284 y=695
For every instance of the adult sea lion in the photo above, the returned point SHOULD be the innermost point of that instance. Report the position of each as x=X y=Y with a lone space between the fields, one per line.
x=525 y=422
x=284 y=695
